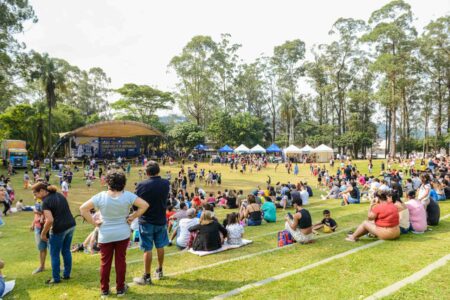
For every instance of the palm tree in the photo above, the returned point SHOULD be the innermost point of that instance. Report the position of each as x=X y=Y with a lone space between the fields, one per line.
x=50 y=73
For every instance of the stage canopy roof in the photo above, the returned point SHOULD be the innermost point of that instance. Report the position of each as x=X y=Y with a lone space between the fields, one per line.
x=112 y=129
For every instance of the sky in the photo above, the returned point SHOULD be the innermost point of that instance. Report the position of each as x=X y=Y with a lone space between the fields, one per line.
x=134 y=40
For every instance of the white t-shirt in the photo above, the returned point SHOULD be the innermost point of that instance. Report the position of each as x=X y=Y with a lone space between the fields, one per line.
x=183 y=227
x=305 y=197
x=114 y=212
x=64 y=186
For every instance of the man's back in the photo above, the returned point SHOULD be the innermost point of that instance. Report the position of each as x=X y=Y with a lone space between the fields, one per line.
x=155 y=191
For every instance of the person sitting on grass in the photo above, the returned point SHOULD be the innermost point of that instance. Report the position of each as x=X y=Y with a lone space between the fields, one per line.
x=208 y=237
x=269 y=211
x=382 y=220
x=251 y=213
x=299 y=225
x=333 y=193
x=327 y=224
x=351 y=194
x=181 y=232
x=417 y=214
x=403 y=212
x=234 y=229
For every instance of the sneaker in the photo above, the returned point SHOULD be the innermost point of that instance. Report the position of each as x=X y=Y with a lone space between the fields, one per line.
x=144 y=280
x=38 y=270
x=159 y=273
x=105 y=294
x=52 y=281
x=122 y=293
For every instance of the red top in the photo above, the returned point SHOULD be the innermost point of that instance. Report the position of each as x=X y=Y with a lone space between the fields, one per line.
x=169 y=214
x=387 y=214
x=197 y=201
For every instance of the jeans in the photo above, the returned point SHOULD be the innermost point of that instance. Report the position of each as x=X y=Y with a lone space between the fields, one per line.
x=107 y=250
x=60 y=244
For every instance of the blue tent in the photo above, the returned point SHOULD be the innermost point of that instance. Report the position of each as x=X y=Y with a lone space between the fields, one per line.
x=200 y=147
x=273 y=148
x=226 y=149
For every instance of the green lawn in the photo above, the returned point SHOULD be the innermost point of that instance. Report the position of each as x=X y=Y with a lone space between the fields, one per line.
x=190 y=277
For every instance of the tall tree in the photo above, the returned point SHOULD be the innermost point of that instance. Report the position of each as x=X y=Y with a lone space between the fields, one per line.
x=50 y=74
x=142 y=101
x=195 y=68
x=288 y=60
x=13 y=13
x=392 y=33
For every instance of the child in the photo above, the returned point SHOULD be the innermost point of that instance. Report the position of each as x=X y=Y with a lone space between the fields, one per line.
x=26 y=180
x=140 y=174
x=234 y=229
x=328 y=224
x=88 y=183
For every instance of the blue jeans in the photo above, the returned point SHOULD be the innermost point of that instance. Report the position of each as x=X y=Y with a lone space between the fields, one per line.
x=60 y=244
x=2 y=285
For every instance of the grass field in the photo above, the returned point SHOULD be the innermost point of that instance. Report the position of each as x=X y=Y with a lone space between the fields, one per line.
x=355 y=276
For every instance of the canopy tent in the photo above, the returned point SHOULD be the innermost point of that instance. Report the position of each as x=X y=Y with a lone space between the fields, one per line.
x=323 y=153
x=226 y=149
x=258 y=149
x=292 y=150
x=307 y=149
x=201 y=147
x=242 y=149
x=273 y=149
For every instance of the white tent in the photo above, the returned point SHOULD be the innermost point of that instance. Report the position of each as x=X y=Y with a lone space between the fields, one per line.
x=307 y=149
x=258 y=149
x=292 y=150
x=241 y=149
x=323 y=153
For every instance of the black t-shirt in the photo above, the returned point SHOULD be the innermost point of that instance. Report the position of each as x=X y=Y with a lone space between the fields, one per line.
x=329 y=222
x=155 y=192
x=433 y=213
x=62 y=217
x=208 y=237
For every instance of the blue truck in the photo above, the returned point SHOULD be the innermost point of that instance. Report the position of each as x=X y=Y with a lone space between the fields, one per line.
x=15 y=153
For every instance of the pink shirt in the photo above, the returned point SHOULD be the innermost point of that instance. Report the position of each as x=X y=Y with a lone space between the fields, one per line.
x=417 y=215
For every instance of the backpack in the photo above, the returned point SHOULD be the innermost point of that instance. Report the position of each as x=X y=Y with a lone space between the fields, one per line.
x=284 y=238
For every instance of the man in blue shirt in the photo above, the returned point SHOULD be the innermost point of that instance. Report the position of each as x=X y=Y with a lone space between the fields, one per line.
x=152 y=224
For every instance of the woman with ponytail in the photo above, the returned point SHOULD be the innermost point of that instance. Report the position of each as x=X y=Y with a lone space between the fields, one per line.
x=58 y=228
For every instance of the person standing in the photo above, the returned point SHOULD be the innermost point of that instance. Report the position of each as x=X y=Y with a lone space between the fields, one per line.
x=114 y=230
x=59 y=219
x=153 y=224
x=65 y=187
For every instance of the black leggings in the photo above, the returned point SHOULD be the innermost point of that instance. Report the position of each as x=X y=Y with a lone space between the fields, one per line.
x=7 y=207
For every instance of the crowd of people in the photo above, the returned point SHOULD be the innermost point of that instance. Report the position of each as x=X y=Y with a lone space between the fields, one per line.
x=161 y=212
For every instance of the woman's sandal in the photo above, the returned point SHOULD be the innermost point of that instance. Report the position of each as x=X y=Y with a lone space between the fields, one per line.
x=350 y=239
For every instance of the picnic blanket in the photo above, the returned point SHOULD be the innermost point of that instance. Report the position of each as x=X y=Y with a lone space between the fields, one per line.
x=225 y=247
x=9 y=286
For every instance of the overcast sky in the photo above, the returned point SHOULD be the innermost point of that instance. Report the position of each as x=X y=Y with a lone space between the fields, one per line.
x=134 y=41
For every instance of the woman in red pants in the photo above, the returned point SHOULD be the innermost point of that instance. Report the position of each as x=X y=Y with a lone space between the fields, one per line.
x=114 y=229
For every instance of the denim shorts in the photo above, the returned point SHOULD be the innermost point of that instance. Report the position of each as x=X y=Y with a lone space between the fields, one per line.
x=253 y=223
x=152 y=234
x=2 y=285
x=40 y=244
x=352 y=200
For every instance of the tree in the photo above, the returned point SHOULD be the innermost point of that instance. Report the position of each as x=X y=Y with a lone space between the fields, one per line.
x=225 y=66
x=50 y=73
x=393 y=35
x=142 y=101
x=195 y=68
x=13 y=13
x=287 y=59
x=187 y=135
